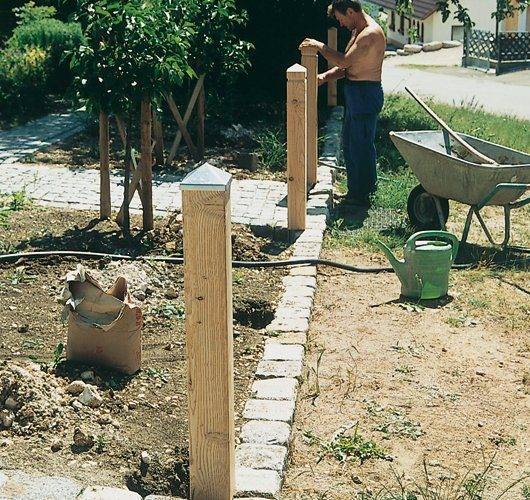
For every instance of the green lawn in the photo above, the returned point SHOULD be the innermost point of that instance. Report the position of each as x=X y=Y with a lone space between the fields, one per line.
x=387 y=218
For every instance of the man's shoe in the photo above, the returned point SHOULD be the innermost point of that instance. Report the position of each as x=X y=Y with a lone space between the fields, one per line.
x=356 y=201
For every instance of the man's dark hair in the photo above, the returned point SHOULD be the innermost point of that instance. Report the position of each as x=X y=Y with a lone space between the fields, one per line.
x=343 y=5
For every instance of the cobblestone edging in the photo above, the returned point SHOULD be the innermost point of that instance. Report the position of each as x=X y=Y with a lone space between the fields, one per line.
x=261 y=456
x=17 y=143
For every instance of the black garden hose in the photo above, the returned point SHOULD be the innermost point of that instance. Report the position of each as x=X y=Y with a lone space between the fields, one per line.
x=235 y=263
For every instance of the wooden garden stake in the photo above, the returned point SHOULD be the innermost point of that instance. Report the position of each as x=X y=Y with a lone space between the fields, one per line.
x=296 y=147
x=146 y=160
x=332 y=86
x=104 y=173
x=310 y=62
x=209 y=345
x=158 y=134
x=201 y=113
x=187 y=115
x=136 y=172
x=182 y=126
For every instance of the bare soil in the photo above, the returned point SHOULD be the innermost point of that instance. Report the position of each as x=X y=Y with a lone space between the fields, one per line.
x=146 y=412
x=438 y=386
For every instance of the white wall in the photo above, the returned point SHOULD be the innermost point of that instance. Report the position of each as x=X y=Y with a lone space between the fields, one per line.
x=479 y=10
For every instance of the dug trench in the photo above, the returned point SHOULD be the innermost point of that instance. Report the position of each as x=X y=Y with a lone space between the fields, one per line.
x=134 y=431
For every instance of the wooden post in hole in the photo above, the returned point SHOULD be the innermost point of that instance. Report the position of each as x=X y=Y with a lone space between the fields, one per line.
x=201 y=116
x=310 y=62
x=146 y=162
x=158 y=135
x=209 y=344
x=332 y=86
x=104 y=173
x=296 y=147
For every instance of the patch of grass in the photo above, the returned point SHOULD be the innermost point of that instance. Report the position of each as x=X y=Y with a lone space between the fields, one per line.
x=272 y=148
x=347 y=448
x=396 y=423
x=12 y=203
x=20 y=276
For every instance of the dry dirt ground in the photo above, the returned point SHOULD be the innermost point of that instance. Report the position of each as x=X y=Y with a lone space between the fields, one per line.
x=146 y=412
x=393 y=389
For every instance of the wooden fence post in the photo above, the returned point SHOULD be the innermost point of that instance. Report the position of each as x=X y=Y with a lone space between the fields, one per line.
x=296 y=147
x=146 y=164
x=209 y=344
x=332 y=86
x=310 y=62
x=104 y=173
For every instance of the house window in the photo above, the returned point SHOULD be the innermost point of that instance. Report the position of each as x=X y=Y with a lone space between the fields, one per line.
x=392 y=21
x=457 y=33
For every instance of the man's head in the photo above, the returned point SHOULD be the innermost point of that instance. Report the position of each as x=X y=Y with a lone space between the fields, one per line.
x=348 y=13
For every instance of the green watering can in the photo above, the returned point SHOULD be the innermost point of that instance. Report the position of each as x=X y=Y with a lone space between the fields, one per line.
x=424 y=273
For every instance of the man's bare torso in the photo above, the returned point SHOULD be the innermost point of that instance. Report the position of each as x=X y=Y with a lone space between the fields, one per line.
x=369 y=66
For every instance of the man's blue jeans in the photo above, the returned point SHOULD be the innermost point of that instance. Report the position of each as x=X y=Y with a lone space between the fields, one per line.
x=364 y=101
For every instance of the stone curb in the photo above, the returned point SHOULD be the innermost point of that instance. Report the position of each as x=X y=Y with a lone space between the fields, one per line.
x=261 y=456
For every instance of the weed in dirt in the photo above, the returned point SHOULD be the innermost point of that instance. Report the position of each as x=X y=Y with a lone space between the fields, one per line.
x=169 y=310
x=314 y=387
x=396 y=423
x=346 y=448
x=59 y=355
x=32 y=344
x=478 y=303
x=406 y=369
x=503 y=440
x=20 y=276
x=455 y=321
x=526 y=492
x=156 y=373
x=101 y=442
x=238 y=277
x=413 y=350
x=470 y=486
x=271 y=149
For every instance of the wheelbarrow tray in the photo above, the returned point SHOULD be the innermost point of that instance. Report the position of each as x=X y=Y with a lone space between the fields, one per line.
x=458 y=176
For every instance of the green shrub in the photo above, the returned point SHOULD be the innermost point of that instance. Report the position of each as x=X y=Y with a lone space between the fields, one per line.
x=272 y=149
x=37 y=29
x=23 y=80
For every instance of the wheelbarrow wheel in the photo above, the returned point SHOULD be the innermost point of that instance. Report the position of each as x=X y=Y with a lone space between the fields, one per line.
x=422 y=209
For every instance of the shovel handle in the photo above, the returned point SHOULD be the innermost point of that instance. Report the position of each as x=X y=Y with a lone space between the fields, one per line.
x=451 y=238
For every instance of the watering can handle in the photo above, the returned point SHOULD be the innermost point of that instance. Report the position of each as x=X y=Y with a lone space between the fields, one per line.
x=434 y=234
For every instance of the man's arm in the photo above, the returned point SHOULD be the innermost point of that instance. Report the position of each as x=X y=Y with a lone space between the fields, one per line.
x=335 y=73
x=357 y=51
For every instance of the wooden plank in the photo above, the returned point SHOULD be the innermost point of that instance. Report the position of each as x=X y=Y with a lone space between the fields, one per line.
x=296 y=147
x=332 y=85
x=158 y=134
x=146 y=159
x=201 y=115
x=187 y=116
x=176 y=114
x=310 y=62
x=104 y=170
x=209 y=344
x=450 y=131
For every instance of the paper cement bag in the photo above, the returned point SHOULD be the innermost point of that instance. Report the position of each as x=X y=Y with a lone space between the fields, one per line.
x=104 y=328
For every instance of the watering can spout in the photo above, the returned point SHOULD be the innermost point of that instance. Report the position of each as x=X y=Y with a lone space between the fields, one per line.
x=398 y=265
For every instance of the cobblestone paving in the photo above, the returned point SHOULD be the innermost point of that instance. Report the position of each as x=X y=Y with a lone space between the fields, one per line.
x=22 y=141
x=253 y=201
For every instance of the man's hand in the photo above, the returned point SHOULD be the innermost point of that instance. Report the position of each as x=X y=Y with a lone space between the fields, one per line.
x=321 y=79
x=310 y=42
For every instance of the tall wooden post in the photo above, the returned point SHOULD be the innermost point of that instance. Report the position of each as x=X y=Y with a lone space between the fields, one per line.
x=104 y=173
x=310 y=62
x=296 y=147
x=201 y=116
x=146 y=162
x=208 y=300
x=332 y=86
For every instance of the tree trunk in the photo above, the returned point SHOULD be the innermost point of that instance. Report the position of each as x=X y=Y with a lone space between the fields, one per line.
x=146 y=164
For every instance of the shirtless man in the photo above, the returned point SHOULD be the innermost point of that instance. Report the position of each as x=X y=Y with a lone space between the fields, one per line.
x=361 y=65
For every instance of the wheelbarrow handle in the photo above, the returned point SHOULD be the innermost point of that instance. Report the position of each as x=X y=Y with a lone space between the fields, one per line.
x=450 y=237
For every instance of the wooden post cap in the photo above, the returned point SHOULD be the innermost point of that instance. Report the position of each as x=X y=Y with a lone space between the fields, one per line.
x=206 y=178
x=296 y=72
x=309 y=51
